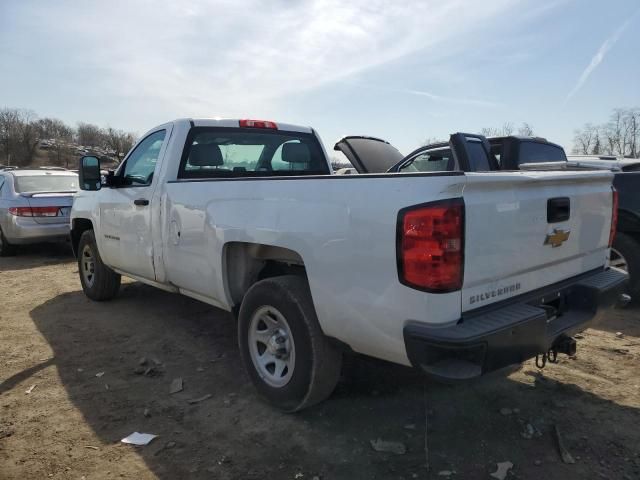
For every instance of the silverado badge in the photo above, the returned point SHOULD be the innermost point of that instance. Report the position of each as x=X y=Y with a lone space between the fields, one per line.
x=557 y=238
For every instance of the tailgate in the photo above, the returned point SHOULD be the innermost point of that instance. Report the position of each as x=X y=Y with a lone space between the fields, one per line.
x=51 y=208
x=527 y=230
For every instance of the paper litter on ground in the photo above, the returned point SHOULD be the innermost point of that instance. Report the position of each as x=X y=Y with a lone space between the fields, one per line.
x=139 y=438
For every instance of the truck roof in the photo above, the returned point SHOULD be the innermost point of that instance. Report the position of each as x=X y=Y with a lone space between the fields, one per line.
x=235 y=123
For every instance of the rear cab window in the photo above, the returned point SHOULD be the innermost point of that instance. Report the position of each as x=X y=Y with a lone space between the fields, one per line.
x=536 y=152
x=45 y=183
x=212 y=152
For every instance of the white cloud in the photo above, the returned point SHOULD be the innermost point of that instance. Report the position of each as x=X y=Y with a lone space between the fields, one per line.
x=597 y=59
x=231 y=57
x=473 y=102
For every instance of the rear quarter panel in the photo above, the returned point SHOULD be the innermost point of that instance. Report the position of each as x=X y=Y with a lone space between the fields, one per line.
x=344 y=228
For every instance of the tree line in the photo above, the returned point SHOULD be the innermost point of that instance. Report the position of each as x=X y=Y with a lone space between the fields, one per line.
x=507 y=128
x=620 y=136
x=22 y=132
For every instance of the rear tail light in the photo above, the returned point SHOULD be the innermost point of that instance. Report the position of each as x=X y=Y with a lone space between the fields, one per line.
x=430 y=246
x=614 y=216
x=258 y=124
x=34 y=211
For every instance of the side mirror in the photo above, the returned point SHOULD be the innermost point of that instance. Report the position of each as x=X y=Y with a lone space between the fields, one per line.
x=89 y=173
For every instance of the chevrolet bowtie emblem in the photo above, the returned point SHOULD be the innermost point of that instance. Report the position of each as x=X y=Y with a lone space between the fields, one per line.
x=557 y=238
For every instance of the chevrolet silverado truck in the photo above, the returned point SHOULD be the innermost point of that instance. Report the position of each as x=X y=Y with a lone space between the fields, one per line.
x=455 y=273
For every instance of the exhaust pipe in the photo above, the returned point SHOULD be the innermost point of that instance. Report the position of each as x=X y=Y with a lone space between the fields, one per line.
x=565 y=344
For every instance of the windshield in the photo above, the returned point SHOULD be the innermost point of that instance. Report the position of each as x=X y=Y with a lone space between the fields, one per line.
x=46 y=183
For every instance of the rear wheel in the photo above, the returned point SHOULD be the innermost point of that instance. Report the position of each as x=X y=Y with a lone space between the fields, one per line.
x=625 y=254
x=98 y=281
x=288 y=358
x=6 y=248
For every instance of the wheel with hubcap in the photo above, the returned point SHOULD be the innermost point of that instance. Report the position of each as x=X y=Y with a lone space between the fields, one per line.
x=286 y=355
x=98 y=281
x=271 y=346
x=617 y=260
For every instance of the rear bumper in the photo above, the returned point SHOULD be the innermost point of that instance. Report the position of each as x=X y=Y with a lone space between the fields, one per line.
x=24 y=230
x=513 y=331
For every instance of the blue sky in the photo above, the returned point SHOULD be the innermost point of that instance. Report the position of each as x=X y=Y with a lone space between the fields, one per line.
x=403 y=71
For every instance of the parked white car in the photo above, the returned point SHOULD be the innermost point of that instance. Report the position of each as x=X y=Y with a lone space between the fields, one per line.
x=455 y=273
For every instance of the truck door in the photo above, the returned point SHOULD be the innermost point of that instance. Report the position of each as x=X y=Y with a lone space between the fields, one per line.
x=126 y=241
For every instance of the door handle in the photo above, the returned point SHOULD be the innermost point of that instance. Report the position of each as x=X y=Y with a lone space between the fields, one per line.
x=558 y=209
x=141 y=202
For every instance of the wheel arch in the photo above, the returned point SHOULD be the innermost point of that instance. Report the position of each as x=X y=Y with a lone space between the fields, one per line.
x=245 y=263
x=78 y=227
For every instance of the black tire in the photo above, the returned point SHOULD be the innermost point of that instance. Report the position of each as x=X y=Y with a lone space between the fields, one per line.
x=317 y=364
x=6 y=249
x=629 y=248
x=102 y=283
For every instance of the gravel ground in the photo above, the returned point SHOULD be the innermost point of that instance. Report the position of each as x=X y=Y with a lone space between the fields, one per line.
x=84 y=365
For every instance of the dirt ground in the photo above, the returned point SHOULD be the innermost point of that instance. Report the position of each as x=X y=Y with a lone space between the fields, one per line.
x=80 y=361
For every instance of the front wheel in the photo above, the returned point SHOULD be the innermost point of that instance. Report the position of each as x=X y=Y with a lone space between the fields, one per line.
x=98 y=281
x=286 y=355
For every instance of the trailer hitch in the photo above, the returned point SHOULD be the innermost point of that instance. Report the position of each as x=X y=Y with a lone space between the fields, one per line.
x=541 y=361
x=564 y=344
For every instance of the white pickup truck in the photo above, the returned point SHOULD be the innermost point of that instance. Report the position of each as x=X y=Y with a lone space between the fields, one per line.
x=455 y=273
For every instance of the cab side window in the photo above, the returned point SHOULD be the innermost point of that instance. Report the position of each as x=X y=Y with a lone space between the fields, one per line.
x=140 y=165
x=431 y=161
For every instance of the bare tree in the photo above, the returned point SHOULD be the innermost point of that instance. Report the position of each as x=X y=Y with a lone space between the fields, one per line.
x=504 y=131
x=90 y=135
x=584 y=139
x=620 y=136
x=60 y=136
x=19 y=135
x=30 y=135
x=597 y=146
x=526 y=130
x=118 y=141
x=432 y=140
x=9 y=119
x=491 y=132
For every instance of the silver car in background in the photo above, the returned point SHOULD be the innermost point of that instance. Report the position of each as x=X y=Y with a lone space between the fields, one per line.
x=34 y=206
